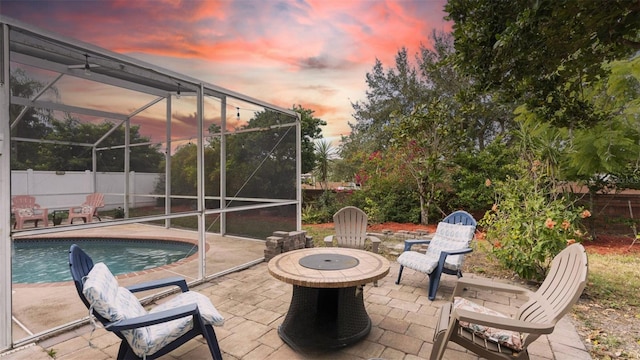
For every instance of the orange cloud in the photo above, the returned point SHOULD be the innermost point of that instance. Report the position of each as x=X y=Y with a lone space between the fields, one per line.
x=315 y=53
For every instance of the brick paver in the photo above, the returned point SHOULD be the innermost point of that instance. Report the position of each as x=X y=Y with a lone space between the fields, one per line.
x=403 y=321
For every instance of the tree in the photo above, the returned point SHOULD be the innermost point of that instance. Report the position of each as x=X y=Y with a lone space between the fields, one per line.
x=395 y=91
x=392 y=93
x=420 y=117
x=544 y=52
x=424 y=145
x=263 y=161
x=40 y=124
x=33 y=124
x=64 y=156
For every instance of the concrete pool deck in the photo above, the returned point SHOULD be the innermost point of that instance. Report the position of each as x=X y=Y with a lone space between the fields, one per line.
x=38 y=307
x=254 y=304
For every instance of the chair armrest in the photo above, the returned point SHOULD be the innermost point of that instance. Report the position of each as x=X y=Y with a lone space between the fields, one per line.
x=444 y=254
x=455 y=252
x=409 y=243
x=155 y=284
x=328 y=241
x=375 y=243
x=484 y=284
x=153 y=319
x=500 y=322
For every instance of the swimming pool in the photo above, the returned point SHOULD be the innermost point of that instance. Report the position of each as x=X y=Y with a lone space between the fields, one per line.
x=47 y=260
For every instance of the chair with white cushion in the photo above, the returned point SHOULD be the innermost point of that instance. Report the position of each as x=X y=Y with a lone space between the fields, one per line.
x=89 y=209
x=24 y=208
x=145 y=335
x=493 y=335
x=445 y=252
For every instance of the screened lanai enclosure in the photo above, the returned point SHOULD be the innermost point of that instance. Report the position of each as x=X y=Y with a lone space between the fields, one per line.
x=179 y=162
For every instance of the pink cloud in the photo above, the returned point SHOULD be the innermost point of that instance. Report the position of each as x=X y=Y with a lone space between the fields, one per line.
x=314 y=53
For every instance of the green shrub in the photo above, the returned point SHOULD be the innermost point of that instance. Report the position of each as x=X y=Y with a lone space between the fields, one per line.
x=530 y=223
x=388 y=200
x=118 y=213
x=321 y=210
x=474 y=167
x=315 y=215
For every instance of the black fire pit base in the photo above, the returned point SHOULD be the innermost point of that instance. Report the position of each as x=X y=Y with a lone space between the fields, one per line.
x=325 y=319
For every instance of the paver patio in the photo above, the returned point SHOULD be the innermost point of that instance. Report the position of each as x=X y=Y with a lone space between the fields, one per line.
x=254 y=304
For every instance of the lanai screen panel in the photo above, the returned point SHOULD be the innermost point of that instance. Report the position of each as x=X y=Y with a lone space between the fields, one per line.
x=261 y=171
x=115 y=128
x=214 y=110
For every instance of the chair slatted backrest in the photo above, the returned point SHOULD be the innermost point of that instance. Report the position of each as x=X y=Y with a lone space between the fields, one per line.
x=23 y=202
x=561 y=288
x=95 y=200
x=351 y=227
x=460 y=217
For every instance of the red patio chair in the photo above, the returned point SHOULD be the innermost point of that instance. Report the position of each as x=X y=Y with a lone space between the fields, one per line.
x=24 y=208
x=88 y=209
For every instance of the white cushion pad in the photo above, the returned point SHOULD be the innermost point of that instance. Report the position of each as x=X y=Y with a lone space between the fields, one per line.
x=507 y=338
x=448 y=237
x=117 y=303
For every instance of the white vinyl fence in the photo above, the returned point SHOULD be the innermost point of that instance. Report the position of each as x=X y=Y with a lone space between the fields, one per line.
x=55 y=189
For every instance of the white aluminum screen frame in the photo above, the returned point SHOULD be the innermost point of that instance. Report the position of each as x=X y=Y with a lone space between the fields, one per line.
x=42 y=49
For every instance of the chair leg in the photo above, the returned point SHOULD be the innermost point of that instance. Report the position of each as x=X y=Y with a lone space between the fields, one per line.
x=434 y=282
x=122 y=351
x=212 y=341
x=442 y=333
x=399 y=274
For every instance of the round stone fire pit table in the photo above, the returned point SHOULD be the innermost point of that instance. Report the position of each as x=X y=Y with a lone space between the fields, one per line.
x=327 y=308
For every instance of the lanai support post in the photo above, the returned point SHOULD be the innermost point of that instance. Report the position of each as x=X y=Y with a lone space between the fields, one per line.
x=200 y=182
x=167 y=168
x=127 y=166
x=5 y=193
x=223 y=165
x=298 y=172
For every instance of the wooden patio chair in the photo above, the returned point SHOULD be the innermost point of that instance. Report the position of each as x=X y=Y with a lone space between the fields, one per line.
x=492 y=335
x=89 y=209
x=145 y=335
x=351 y=230
x=350 y=225
x=445 y=252
x=24 y=208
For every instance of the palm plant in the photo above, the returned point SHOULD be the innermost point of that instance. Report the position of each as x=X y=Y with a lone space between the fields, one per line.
x=324 y=157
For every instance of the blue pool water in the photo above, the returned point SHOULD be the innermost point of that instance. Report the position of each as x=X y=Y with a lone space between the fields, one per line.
x=47 y=260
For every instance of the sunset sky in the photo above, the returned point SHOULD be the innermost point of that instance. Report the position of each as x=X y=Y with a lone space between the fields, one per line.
x=314 y=53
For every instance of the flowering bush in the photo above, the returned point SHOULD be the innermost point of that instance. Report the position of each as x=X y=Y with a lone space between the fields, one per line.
x=530 y=223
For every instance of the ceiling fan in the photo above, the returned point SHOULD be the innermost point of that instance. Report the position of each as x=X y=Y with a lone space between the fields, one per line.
x=86 y=66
